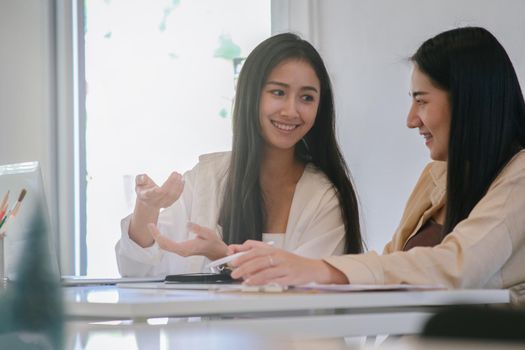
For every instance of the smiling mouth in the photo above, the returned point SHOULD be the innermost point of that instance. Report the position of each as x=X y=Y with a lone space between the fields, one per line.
x=284 y=127
x=426 y=135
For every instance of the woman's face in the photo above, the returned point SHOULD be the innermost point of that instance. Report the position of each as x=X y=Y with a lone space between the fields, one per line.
x=288 y=104
x=430 y=113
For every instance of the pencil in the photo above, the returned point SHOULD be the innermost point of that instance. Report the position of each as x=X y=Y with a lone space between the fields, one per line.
x=14 y=211
x=3 y=205
x=3 y=221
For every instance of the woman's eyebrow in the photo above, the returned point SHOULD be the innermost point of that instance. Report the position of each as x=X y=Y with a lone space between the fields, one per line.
x=277 y=83
x=415 y=94
x=308 y=87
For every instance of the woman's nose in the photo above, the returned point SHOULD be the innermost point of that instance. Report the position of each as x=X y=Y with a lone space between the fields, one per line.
x=290 y=107
x=413 y=120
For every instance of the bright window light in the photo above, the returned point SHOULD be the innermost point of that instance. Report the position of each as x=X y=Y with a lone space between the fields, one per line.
x=159 y=87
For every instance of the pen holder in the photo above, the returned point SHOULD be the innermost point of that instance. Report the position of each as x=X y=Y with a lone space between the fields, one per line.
x=3 y=270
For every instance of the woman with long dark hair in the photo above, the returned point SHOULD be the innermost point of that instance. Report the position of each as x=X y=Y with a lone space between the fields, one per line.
x=285 y=179
x=464 y=224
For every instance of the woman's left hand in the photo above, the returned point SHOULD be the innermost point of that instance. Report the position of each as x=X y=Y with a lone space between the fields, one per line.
x=263 y=264
x=207 y=243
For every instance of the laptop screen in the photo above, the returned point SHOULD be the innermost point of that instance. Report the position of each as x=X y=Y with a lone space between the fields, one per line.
x=22 y=205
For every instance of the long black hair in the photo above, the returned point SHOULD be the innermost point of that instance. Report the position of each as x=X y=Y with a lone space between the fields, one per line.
x=487 y=112
x=242 y=213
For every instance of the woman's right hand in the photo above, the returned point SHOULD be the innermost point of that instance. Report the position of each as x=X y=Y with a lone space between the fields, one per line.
x=155 y=197
x=150 y=200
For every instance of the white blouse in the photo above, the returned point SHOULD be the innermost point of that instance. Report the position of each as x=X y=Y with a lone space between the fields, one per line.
x=315 y=226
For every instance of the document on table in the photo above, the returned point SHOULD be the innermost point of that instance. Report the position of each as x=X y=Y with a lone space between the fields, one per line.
x=366 y=287
x=331 y=288
x=212 y=287
x=274 y=288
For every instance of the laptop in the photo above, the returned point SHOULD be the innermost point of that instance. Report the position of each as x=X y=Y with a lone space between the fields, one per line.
x=22 y=205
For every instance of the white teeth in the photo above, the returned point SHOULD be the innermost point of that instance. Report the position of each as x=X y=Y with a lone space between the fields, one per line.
x=285 y=127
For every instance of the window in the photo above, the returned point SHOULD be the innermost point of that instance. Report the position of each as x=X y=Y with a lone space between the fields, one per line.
x=159 y=88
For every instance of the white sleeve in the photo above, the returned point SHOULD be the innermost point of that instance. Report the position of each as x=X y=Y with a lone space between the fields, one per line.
x=133 y=260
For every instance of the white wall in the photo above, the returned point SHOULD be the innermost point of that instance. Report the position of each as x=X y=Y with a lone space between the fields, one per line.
x=365 y=44
x=27 y=85
x=26 y=82
x=35 y=63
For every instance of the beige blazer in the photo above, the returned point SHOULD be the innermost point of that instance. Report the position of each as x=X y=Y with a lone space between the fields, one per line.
x=485 y=250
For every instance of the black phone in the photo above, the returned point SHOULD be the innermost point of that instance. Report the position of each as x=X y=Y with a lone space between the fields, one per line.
x=202 y=278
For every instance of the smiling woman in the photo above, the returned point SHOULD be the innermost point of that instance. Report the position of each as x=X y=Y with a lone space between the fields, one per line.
x=289 y=103
x=430 y=113
x=285 y=179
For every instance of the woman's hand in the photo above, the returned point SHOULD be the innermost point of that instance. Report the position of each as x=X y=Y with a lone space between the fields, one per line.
x=155 y=197
x=207 y=243
x=263 y=264
x=150 y=199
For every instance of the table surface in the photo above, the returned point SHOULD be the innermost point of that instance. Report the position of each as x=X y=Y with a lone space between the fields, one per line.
x=117 y=302
x=303 y=315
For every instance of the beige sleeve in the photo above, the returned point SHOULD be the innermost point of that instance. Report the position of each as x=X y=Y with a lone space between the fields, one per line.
x=474 y=252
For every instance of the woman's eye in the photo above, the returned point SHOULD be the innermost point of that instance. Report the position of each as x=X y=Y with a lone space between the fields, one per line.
x=308 y=98
x=277 y=92
x=420 y=102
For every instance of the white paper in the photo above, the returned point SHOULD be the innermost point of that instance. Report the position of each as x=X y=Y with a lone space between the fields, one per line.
x=367 y=287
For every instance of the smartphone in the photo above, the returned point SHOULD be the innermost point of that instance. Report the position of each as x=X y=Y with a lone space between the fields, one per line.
x=205 y=278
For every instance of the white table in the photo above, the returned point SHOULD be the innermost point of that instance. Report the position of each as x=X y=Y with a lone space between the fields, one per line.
x=140 y=337
x=302 y=314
